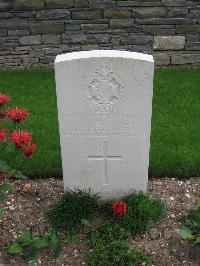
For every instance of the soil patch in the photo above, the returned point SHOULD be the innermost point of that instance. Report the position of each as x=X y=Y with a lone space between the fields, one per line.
x=25 y=211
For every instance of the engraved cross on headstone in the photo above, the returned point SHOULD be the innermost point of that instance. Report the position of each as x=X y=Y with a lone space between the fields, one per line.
x=105 y=158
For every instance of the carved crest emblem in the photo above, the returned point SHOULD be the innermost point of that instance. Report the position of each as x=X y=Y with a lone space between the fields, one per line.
x=104 y=90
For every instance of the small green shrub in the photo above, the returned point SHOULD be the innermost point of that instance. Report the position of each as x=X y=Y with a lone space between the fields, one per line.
x=106 y=232
x=72 y=207
x=30 y=246
x=110 y=242
x=191 y=230
x=142 y=212
x=116 y=253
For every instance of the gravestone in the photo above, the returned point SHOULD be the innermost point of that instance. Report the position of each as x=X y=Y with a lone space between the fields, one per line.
x=104 y=101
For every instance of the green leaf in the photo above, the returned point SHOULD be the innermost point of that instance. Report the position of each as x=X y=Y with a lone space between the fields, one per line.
x=32 y=263
x=2 y=197
x=41 y=242
x=186 y=233
x=4 y=166
x=1 y=213
x=197 y=240
x=69 y=238
x=19 y=175
x=16 y=174
x=57 y=250
x=9 y=147
x=15 y=248
x=54 y=237
x=32 y=253
x=26 y=238
x=86 y=223
x=5 y=187
x=184 y=215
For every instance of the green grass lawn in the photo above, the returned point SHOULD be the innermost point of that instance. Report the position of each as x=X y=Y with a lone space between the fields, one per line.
x=175 y=140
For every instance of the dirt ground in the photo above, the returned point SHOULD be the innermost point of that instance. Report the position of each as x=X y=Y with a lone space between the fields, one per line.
x=25 y=211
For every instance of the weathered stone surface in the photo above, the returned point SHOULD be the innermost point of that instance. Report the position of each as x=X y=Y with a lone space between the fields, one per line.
x=169 y=42
x=88 y=47
x=117 y=13
x=149 y=12
x=23 y=14
x=5 y=5
x=53 y=14
x=195 y=46
x=191 y=38
x=161 y=59
x=72 y=27
x=47 y=60
x=121 y=23
x=157 y=30
x=53 y=51
x=102 y=133
x=46 y=27
x=161 y=21
x=36 y=53
x=139 y=3
x=173 y=2
x=94 y=26
x=81 y=3
x=102 y=4
x=181 y=59
x=5 y=15
x=177 y=12
x=86 y=14
x=27 y=4
x=137 y=40
x=85 y=38
x=3 y=33
x=28 y=61
x=187 y=28
x=30 y=40
x=59 y=3
x=18 y=32
x=13 y=23
x=51 y=39
x=127 y=25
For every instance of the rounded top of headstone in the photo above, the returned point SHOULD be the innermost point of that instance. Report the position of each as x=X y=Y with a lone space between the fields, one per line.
x=103 y=53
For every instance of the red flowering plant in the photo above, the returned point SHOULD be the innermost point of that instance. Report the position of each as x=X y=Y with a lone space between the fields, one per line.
x=14 y=142
x=119 y=208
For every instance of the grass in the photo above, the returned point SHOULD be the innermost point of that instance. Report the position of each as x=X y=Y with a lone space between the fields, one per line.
x=175 y=141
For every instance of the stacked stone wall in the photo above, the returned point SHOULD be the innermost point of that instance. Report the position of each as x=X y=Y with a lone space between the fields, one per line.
x=33 y=32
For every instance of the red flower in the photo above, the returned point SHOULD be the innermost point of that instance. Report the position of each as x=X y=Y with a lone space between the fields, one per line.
x=4 y=99
x=29 y=150
x=3 y=134
x=17 y=114
x=20 y=138
x=119 y=208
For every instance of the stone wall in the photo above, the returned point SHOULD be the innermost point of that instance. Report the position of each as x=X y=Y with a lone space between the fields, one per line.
x=32 y=32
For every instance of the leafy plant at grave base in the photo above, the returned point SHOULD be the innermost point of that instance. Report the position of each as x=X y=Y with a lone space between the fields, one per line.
x=191 y=230
x=15 y=142
x=72 y=207
x=3 y=189
x=30 y=246
x=142 y=211
x=110 y=243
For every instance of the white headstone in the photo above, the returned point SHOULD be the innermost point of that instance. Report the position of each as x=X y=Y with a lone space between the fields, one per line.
x=104 y=101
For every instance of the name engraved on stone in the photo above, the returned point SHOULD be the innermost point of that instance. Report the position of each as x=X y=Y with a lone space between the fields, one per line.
x=105 y=158
x=101 y=125
x=104 y=90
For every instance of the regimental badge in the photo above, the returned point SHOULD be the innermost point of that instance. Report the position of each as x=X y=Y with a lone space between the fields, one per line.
x=105 y=90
